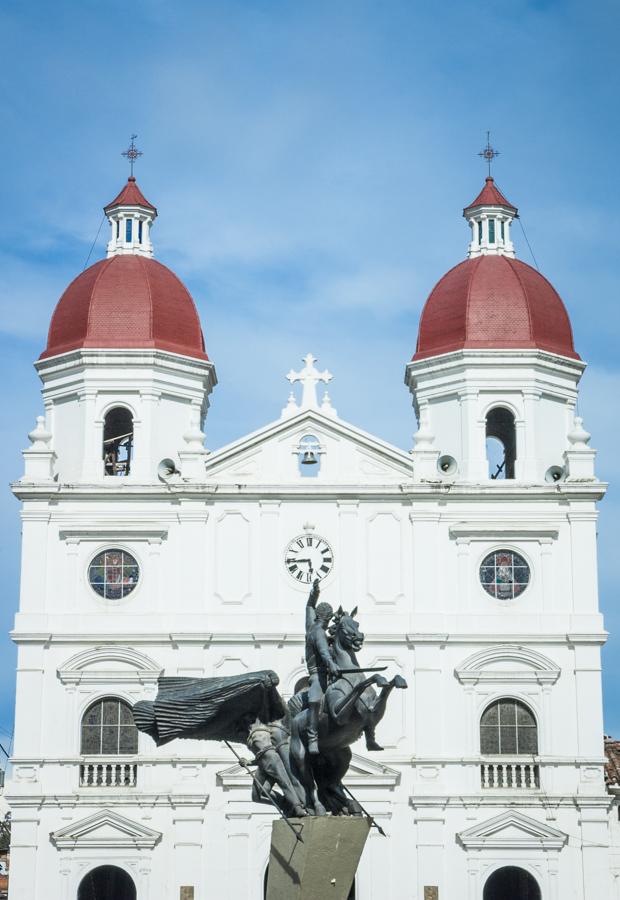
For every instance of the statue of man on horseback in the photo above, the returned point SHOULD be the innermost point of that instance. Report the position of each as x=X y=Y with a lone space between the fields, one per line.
x=301 y=749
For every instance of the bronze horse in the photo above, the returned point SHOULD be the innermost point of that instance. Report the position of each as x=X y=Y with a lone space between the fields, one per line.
x=350 y=705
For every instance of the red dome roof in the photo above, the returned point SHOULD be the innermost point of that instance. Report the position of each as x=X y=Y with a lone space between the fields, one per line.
x=494 y=302
x=126 y=302
x=131 y=195
x=490 y=196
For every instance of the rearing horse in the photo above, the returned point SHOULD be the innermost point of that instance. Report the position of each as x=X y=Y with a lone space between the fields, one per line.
x=351 y=705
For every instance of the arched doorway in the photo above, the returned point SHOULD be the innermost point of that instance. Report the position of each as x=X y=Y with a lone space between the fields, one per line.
x=107 y=883
x=511 y=883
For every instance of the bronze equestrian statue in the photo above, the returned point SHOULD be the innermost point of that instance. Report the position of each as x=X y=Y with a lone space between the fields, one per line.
x=301 y=751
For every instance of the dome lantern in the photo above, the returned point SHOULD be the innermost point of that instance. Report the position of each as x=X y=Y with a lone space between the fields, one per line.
x=130 y=216
x=490 y=216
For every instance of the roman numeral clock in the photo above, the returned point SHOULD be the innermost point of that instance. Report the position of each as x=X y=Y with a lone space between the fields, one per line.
x=307 y=557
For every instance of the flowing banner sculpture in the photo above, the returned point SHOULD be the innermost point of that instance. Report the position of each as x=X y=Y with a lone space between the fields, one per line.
x=301 y=749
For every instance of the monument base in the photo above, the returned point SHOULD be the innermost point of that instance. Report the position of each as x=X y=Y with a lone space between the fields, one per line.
x=324 y=865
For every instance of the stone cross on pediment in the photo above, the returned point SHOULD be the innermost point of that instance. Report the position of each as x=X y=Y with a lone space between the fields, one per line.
x=309 y=378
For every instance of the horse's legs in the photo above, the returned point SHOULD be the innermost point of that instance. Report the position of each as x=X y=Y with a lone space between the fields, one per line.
x=377 y=710
x=301 y=765
x=339 y=801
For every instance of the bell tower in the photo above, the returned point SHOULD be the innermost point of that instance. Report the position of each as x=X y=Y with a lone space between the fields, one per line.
x=494 y=377
x=126 y=378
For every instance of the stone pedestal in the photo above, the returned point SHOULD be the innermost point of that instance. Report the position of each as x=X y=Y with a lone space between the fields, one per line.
x=324 y=865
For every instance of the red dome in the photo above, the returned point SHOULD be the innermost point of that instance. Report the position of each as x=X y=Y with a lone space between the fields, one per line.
x=126 y=302
x=494 y=302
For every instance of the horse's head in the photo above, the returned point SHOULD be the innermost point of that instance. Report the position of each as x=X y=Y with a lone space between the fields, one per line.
x=345 y=630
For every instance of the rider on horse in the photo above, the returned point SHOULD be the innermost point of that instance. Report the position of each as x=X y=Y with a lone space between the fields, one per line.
x=320 y=665
x=318 y=660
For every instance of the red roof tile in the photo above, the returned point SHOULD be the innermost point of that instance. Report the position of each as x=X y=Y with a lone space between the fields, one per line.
x=490 y=196
x=131 y=195
x=612 y=761
x=126 y=302
x=494 y=302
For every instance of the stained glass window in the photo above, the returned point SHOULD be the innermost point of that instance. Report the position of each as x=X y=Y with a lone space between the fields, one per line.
x=113 y=574
x=504 y=574
x=108 y=728
x=508 y=727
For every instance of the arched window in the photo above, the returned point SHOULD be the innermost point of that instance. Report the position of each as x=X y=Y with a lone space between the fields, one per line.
x=108 y=729
x=309 y=456
x=501 y=443
x=107 y=883
x=301 y=684
x=508 y=727
x=117 y=441
x=511 y=883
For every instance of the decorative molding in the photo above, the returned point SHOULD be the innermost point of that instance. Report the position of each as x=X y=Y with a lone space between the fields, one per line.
x=105 y=830
x=507 y=531
x=533 y=666
x=106 y=533
x=412 y=638
x=512 y=831
x=141 y=669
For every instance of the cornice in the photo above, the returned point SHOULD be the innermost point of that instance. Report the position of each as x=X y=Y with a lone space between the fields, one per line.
x=407 y=491
x=410 y=639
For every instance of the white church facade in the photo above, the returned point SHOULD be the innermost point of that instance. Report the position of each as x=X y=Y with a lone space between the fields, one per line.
x=476 y=580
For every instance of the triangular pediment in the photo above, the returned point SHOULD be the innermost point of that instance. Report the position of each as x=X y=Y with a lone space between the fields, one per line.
x=362 y=772
x=512 y=830
x=105 y=829
x=347 y=454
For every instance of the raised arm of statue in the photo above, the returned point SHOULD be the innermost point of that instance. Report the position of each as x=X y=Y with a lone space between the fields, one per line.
x=311 y=605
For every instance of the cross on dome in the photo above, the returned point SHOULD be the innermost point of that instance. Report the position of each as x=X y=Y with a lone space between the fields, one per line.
x=490 y=215
x=489 y=153
x=309 y=377
x=132 y=153
x=130 y=215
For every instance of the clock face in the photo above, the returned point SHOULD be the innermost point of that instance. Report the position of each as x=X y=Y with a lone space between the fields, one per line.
x=307 y=557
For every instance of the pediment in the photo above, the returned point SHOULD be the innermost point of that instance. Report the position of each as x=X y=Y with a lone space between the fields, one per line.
x=363 y=772
x=512 y=830
x=109 y=664
x=105 y=829
x=347 y=455
x=507 y=663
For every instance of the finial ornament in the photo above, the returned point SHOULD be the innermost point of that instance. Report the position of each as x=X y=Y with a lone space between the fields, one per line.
x=132 y=153
x=309 y=378
x=489 y=153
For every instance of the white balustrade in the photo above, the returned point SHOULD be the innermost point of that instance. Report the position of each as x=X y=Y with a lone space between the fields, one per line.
x=108 y=774
x=510 y=774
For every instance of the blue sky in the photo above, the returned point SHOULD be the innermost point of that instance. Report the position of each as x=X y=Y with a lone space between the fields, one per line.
x=310 y=161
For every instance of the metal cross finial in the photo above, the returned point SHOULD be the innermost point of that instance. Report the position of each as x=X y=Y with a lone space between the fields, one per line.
x=489 y=153
x=309 y=377
x=132 y=153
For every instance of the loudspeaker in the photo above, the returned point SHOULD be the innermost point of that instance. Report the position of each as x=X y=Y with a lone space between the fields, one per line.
x=166 y=470
x=447 y=465
x=555 y=473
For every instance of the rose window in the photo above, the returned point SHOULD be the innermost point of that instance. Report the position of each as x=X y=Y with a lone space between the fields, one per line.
x=504 y=574
x=113 y=574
